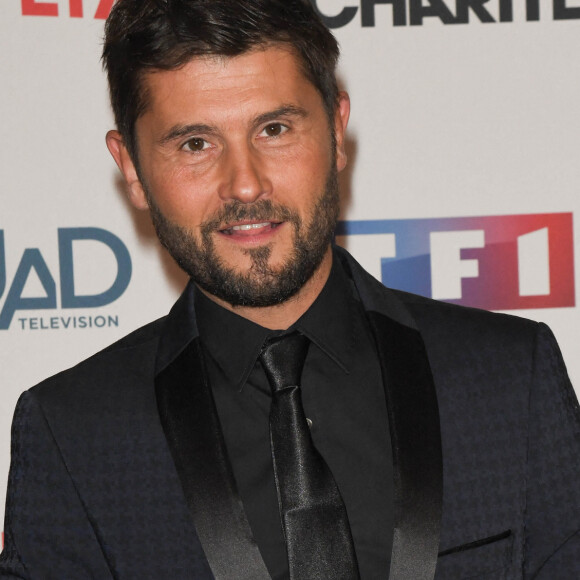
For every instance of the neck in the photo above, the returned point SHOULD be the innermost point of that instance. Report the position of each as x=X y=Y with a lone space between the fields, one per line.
x=282 y=316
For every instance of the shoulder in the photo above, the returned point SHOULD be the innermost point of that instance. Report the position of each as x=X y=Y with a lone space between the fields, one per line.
x=470 y=342
x=109 y=374
x=484 y=352
x=435 y=318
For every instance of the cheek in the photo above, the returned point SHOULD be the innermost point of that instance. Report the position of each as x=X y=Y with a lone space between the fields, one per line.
x=303 y=174
x=181 y=196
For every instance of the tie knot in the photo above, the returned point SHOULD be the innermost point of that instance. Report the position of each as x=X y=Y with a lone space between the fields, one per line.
x=283 y=359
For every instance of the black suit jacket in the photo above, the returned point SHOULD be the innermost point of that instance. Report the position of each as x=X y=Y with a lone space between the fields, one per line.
x=119 y=470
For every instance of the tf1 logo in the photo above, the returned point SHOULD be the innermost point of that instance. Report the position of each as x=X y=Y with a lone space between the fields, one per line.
x=76 y=8
x=492 y=262
x=33 y=261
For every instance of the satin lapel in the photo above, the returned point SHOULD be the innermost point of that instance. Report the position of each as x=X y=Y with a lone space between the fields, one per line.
x=414 y=425
x=416 y=440
x=192 y=429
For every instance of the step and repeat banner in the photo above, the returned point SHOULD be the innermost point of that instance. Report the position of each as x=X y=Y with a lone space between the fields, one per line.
x=463 y=178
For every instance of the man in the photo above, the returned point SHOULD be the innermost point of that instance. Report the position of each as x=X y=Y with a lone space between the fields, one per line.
x=424 y=441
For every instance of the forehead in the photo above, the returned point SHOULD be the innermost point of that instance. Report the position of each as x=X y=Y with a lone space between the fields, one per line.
x=253 y=82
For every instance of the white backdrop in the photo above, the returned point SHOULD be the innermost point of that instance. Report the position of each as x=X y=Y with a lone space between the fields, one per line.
x=449 y=121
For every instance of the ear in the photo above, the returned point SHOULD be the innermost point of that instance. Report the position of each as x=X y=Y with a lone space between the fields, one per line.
x=340 y=122
x=118 y=150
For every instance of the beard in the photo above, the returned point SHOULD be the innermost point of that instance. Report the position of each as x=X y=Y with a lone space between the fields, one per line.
x=262 y=284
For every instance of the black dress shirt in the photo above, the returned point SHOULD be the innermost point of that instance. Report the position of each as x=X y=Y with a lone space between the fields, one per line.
x=343 y=397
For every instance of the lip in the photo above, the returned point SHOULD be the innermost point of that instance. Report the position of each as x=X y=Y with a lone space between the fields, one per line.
x=251 y=231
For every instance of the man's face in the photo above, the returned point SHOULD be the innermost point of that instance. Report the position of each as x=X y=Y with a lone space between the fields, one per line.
x=238 y=165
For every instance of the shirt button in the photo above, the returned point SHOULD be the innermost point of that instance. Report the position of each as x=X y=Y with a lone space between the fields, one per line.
x=309 y=422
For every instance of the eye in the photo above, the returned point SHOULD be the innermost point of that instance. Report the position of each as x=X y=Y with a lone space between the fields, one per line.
x=196 y=145
x=274 y=130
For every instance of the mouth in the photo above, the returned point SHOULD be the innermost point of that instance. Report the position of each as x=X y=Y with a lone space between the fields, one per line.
x=250 y=229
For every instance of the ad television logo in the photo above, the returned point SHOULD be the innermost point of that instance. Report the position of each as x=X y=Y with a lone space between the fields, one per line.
x=33 y=263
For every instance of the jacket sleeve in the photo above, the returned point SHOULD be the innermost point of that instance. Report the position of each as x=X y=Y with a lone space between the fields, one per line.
x=47 y=532
x=552 y=533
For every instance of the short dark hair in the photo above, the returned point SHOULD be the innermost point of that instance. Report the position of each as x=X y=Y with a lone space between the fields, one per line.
x=147 y=35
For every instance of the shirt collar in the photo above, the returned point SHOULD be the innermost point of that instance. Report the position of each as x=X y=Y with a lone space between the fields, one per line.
x=328 y=323
x=235 y=342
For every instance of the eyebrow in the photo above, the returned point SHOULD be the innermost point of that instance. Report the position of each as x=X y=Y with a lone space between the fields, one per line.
x=180 y=131
x=283 y=111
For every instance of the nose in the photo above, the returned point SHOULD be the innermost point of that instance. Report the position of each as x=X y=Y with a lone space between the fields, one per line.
x=244 y=176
